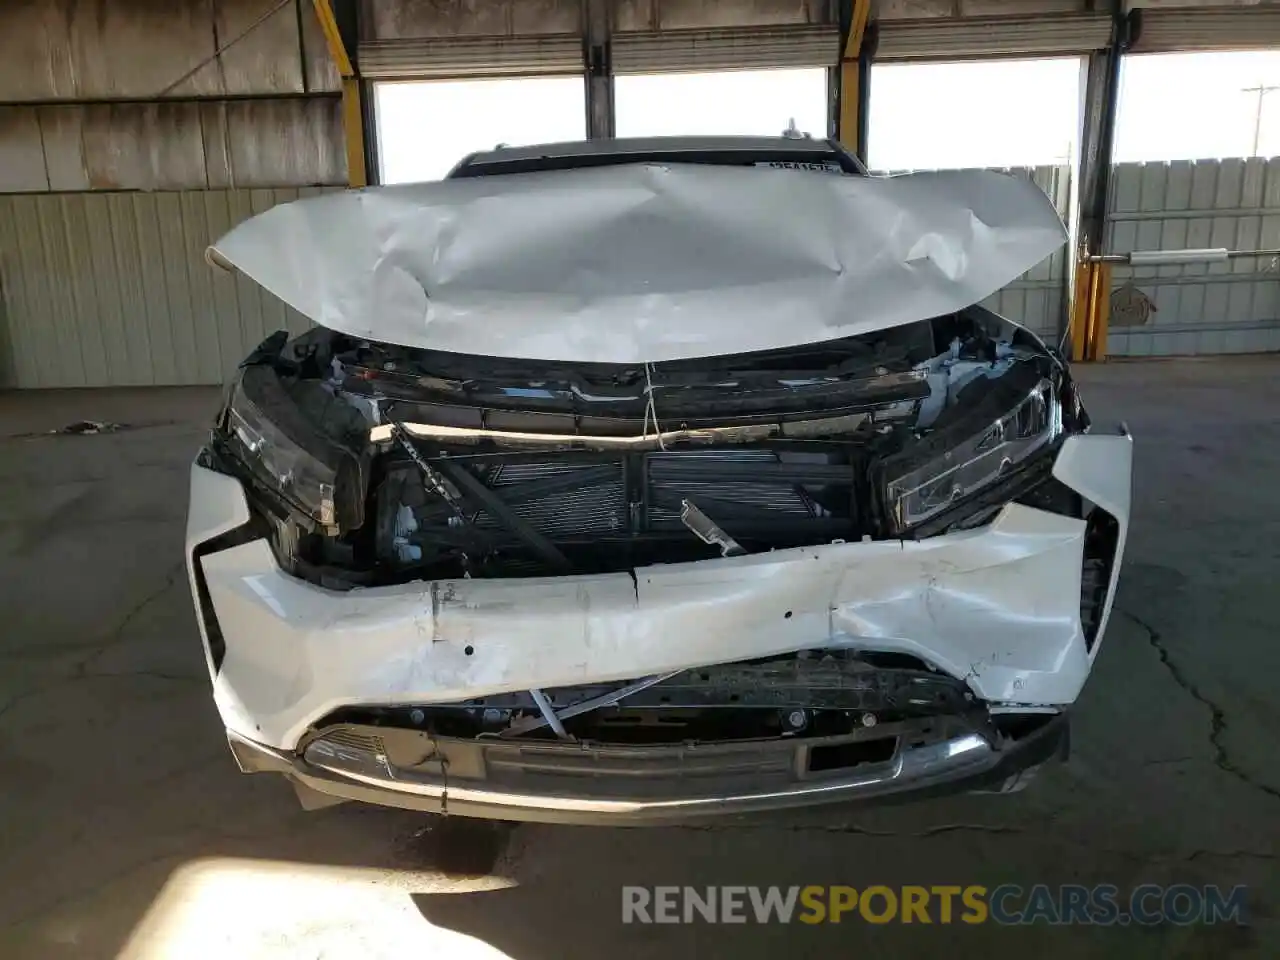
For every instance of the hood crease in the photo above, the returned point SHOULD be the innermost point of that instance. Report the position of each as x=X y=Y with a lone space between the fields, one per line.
x=644 y=262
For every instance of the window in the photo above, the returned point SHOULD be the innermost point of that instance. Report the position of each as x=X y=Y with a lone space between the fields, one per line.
x=425 y=127
x=1191 y=106
x=1002 y=113
x=728 y=102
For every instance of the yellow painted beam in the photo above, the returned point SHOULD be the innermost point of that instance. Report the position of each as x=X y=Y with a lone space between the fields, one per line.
x=1091 y=312
x=1080 y=312
x=850 y=98
x=353 y=130
x=857 y=29
x=332 y=36
x=1101 y=312
x=850 y=87
x=352 y=112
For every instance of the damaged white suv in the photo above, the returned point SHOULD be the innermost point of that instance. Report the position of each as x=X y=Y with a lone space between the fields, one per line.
x=640 y=481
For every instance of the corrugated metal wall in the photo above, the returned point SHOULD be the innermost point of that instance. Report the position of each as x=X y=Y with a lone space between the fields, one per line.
x=112 y=289
x=137 y=49
x=1231 y=307
x=167 y=145
x=100 y=287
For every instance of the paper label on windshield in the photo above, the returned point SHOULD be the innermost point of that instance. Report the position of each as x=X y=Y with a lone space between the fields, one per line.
x=819 y=166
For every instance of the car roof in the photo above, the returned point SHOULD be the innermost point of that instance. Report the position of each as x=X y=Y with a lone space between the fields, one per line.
x=615 y=145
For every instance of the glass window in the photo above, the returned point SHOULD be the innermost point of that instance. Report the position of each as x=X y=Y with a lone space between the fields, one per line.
x=998 y=113
x=426 y=127
x=725 y=102
x=1191 y=106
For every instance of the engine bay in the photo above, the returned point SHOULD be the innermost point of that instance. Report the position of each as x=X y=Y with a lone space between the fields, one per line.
x=430 y=465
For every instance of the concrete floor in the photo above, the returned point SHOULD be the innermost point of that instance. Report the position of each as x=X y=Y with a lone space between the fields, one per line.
x=125 y=829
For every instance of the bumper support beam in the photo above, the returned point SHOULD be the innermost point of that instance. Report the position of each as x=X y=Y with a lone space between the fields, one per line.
x=345 y=771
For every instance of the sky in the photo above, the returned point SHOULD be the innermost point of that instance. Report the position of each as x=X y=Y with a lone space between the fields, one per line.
x=996 y=113
x=1184 y=106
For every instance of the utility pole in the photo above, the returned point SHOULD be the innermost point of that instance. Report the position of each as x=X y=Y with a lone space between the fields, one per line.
x=1261 y=90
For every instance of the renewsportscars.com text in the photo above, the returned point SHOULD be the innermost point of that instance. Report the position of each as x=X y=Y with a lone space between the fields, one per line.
x=1008 y=904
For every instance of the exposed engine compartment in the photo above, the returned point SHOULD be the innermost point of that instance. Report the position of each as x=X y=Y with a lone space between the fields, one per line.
x=452 y=466
x=368 y=464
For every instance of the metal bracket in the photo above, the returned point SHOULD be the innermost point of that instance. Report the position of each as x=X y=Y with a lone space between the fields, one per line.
x=553 y=719
x=707 y=530
x=549 y=714
x=599 y=60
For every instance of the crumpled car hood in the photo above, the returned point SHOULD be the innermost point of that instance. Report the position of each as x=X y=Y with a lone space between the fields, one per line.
x=644 y=262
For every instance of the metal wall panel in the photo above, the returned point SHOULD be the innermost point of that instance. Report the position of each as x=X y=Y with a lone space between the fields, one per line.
x=133 y=49
x=726 y=49
x=1231 y=28
x=982 y=38
x=957 y=9
x=112 y=289
x=321 y=72
x=426 y=59
x=644 y=15
x=172 y=145
x=22 y=165
x=1205 y=308
x=413 y=19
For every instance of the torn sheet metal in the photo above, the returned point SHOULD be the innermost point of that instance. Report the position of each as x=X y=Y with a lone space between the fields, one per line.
x=996 y=606
x=644 y=262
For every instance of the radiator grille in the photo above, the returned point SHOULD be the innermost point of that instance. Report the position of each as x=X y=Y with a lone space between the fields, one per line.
x=594 y=508
x=630 y=501
x=781 y=498
x=355 y=740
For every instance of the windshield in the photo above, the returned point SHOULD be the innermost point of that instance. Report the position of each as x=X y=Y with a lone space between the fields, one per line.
x=820 y=158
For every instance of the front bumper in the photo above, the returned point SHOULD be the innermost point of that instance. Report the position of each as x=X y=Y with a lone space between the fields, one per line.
x=563 y=783
x=996 y=606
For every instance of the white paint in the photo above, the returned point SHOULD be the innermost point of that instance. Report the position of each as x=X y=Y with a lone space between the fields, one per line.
x=998 y=606
x=1173 y=258
x=261 y=589
x=644 y=262
x=215 y=505
x=1100 y=467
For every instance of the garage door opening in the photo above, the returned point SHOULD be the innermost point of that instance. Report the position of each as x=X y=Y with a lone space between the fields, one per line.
x=1198 y=106
x=1020 y=114
x=1001 y=113
x=426 y=127
x=723 y=102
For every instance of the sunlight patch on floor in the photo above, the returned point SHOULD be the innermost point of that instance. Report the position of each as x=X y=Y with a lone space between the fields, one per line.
x=232 y=907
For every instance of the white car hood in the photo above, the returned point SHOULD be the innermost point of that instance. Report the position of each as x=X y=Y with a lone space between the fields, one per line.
x=644 y=262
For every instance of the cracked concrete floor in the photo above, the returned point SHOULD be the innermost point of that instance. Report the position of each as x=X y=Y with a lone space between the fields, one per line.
x=125 y=830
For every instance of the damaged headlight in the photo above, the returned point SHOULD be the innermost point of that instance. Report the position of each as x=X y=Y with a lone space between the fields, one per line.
x=314 y=476
x=978 y=460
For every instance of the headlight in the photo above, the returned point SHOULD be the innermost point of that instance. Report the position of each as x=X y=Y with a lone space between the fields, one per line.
x=312 y=473
x=978 y=460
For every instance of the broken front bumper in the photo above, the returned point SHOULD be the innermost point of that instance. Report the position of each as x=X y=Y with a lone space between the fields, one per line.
x=997 y=606
x=569 y=783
